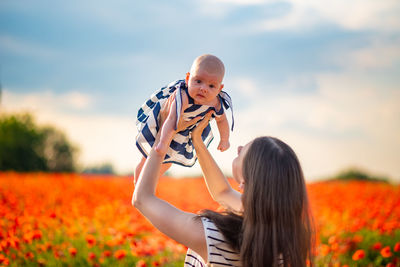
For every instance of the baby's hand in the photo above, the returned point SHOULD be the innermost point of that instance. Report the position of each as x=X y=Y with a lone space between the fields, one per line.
x=223 y=145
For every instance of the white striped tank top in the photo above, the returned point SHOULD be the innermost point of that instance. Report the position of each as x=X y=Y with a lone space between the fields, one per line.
x=219 y=253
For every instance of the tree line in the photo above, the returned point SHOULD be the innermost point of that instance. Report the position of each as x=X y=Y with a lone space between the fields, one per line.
x=25 y=146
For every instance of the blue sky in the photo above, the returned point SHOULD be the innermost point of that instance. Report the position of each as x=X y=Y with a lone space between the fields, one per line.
x=324 y=77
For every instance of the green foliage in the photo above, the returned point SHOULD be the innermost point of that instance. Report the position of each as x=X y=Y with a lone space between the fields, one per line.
x=105 y=168
x=24 y=146
x=20 y=144
x=357 y=174
x=58 y=151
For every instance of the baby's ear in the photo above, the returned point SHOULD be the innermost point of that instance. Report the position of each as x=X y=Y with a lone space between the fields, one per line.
x=187 y=77
x=222 y=86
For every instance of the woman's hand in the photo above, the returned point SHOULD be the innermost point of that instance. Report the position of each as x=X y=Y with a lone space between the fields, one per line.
x=182 y=124
x=198 y=130
x=166 y=108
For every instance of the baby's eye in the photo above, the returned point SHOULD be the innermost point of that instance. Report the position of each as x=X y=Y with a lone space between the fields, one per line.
x=212 y=86
x=198 y=81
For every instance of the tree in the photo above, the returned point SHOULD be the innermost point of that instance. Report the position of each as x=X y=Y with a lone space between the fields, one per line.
x=358 y=174
x=58 y=152
x=25 y=146
x=105 y=168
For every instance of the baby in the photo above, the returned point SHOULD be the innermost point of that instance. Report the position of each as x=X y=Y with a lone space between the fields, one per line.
x=195 y=96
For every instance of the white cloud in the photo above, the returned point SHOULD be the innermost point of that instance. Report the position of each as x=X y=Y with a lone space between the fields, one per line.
x=357 y=101
x=378 y=54
x=244 y=86
x=360 y=14
x=78 y=100
x=352 y=15
x=299 y=18
x=47 y=101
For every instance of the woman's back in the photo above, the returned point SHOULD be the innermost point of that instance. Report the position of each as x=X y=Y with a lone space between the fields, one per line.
x=220 y=253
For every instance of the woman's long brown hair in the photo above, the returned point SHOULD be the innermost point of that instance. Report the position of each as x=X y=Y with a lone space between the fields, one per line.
x=276 y=222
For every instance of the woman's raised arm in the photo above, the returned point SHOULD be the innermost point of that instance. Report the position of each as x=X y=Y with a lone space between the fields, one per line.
x=217 y=184
x=178 y=225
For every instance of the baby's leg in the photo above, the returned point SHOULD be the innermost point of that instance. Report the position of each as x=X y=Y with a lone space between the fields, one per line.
x=138 y=170
x=167 y=130
x=164 y=168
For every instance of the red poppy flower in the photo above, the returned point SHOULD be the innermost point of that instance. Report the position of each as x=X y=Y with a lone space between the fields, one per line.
x=29 y=255
x=107 y=253
x=72 y=251
x=385 y=252
x=396 y=247
x=37 y=234
x=324 y=249
x=91 y=256
x=120 y=254
x=377 y=246
x=141 y=263
x=2 y=258
x=91 y=240
x=358 y=255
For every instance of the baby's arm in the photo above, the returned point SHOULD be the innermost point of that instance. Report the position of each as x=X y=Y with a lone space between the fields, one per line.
x=223 y=128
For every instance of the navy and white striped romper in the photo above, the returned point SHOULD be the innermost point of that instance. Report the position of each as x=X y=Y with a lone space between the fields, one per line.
x=219 y=253
x=181 y=150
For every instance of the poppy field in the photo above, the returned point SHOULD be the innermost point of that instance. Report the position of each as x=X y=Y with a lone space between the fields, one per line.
x=81 y=220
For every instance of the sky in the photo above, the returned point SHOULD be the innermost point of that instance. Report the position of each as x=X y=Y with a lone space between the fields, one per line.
x=323 y=77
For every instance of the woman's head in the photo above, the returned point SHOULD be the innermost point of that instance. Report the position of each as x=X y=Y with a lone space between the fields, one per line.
x=272 y=175
x=275 y=203
x=276 y=223
x=237 y=164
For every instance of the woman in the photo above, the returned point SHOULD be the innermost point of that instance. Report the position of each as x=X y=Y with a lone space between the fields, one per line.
x=269 y=225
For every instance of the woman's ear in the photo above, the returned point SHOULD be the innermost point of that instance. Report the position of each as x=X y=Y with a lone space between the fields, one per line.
x=241 y=185
x=187 y=78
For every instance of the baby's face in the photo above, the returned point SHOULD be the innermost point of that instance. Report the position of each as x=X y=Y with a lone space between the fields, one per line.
x=204 y=86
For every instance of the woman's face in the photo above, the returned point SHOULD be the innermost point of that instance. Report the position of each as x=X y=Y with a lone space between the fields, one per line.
x=237 y=163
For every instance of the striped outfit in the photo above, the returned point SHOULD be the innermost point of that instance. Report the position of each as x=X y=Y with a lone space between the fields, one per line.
x=219 y=253
x=181 y=149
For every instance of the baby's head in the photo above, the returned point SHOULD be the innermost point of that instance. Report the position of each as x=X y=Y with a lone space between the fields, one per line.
x=204 y=80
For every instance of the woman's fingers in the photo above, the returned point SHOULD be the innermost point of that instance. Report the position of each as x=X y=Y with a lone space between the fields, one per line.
x=202 y=124
x=205 y=121
x=165 y=109
x=182 y=125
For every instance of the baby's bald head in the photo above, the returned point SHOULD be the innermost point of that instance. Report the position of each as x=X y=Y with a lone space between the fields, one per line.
x=209 y=63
